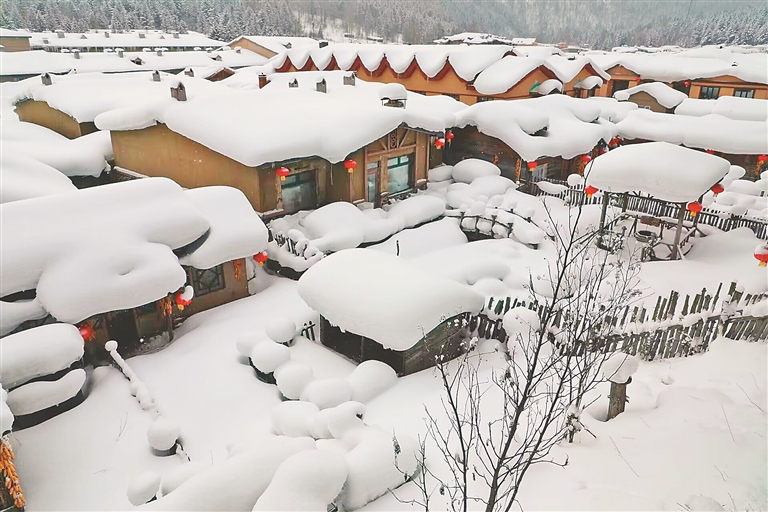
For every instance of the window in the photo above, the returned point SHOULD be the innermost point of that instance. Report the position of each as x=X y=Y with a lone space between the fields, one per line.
x=619 y=85
x=299 y=191
x=540 y=173
x=372 y=178
x=709 y=93
x=399 y=174
x=744 y=93
x=484 y=98
x=207 y=281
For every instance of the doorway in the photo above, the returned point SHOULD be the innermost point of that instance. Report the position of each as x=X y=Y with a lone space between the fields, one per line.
x=373 y=183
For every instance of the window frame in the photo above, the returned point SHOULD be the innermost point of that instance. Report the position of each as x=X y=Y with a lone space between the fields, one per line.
x=195 y=275
x=744 y=93
x=709 y=92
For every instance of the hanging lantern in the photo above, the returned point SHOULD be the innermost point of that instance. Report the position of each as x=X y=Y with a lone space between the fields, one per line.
x=449 y=136
x=694 y=207
x=762 y=158
x=710 y=151
x=532 y=165
x=282 y=172
x=590 y=191
x=761 y=254
x=717 y=188
x=183 y=298
x=585 y=159
x=603 y=151
x=687 y=83
x=261 y=258
x=614 y=141
x=439 y=143
x=86 y=331
x=350 y=165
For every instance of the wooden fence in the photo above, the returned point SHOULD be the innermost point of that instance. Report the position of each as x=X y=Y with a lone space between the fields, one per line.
x=659 y=208
x=654 y=334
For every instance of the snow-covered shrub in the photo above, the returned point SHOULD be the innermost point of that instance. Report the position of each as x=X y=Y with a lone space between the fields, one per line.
x=294 y=419
x=281 y=330
x=178 y=475
x=440 y=173
x=345 y=418
x=327 y=393
x=246 y=343
x=369 y=379
x=143 y=488
x=267 y=355
x=163 y=434
x=292 y=377
x=471 y=168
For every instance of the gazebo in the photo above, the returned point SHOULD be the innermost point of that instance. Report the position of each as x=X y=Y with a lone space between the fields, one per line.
x=660 y=186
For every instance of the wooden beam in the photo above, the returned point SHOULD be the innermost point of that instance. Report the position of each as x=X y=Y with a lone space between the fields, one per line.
x=678 y=230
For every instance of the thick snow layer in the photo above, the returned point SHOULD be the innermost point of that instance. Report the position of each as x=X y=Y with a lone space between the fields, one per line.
x=665 y=171
x=713 y=131
x=308 y=480
x=547 y=86
x=327 y=393
x=440 y=173
x=121 y=268
x=143 y=488
x=611 y=109
x=292 y=377
x=236 y=483
x=568 y=68
x=163 y=434
x=369 y=379
x=39 y=351
x=268 y=355
x=177 y=476
x=574 y=126
x=236 y=229
x=6 y=416
x=620 y=367
x=470 y=169
x=424 y=239
x=353 y=289
x=504 y=74
x=326 y=118
x=281 y=330
x=36 y=62
x=71 y=157
x=733 y=107
x=521 y=321
x=294 y=418
x=36 y=396
x=590 y=82
x=664 y=94
x=24 y=177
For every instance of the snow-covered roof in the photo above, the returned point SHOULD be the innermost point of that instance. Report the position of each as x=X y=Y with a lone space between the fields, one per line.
x=747 y=109
x=36 y=62
x=476 y=38
x=333 y=124
x=611 y=109
x=22 y=34
x=504 y=74
x=547 y=86
x=83 y=97
x=278 y=44
x=665 y=95
x=383 y=297
x=132 y=39
x=663 y=170
x=111 y=247
x=23 y=177
x=712 y=131
x=568 y=67
x=572 y=125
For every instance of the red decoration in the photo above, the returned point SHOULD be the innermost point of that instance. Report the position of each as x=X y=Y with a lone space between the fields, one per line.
x=710 y=151
x=687 y=83
x=603 y=151
x=762 y=158
x=694 y=207
x=586 y=159
x=350 y=165
x=637 y=79
x=261 y=258
x=614 y=141
x=181 y=301
x=282 y=172
x=761 y=254
x=86 y=331
x=449 y=136
x=439 y=143
x=717 y=188
x=590 y=191
x=532 y=166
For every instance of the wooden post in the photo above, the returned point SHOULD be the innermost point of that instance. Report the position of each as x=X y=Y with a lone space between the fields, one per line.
x=617 y=399
x=601 y=231
x=678 y=230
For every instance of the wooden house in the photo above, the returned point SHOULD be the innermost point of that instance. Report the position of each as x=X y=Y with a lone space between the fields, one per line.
x=269 y=46
x=14 y=40
x=363 y=316
x=655 y=96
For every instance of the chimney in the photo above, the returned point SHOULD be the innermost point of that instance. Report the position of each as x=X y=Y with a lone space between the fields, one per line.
x=106 y=34
x=120 y=52
x=76 y=53
x=46 y=78
x=322 y=44
x=159 y=52
x=262 y=80
x=179 y=92
x=142 y=35
x=155 y=76
x=175 y=35
x=238 y=49
x=321 y=86
x=189 y=72
x=293 y=84
x=288 y=46
x=349 y=79
x=209 y=49
x=60 y=34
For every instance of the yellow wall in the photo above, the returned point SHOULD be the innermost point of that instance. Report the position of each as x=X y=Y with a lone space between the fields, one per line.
x=250 y=45
x=646 y=100
x=728 y=86
x=15 y=44
x=233 y=289
x=39 y=112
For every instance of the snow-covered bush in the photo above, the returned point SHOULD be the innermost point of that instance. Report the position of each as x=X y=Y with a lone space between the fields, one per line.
x=267 y=355
x=292 y=377
x=163 y=434
x=143 y=488
x=327 y=393
x=294 y=419
x=281 y=330
x=369 y=379
x=468 y=170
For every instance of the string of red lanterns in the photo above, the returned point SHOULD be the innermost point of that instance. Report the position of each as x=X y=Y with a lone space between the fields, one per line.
x=183 y=298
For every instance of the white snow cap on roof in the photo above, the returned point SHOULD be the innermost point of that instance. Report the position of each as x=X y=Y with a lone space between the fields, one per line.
x=393 y=91
x=733 y=107
x=23 y=177
x=547 y=86
x=383 y=297
x=278 y=44
x=504 y=74
x=589 y=83
x=664 y=94
x=664 y=171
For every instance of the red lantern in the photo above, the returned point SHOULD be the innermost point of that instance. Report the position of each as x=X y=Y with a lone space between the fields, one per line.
x=710 y=151
x=603 y=151
x=687 y=83
x=717 y=188
x=532 y=165
x=350 y=165
x=614 y=141
x=761 y=254
x=449 y=136
x=183 y=298
x=261 y=258
x=586 y=159
x=282 y=172
x=590 y=191
x=439 y=143
x=86 y=331
x=762 y=158
x=637 y=79
x=694 y=207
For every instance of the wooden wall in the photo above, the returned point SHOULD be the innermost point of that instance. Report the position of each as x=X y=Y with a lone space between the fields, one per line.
x=643 y=99
x=15 y=44
x=234 y=289
x=39 y=112
x=250 y=45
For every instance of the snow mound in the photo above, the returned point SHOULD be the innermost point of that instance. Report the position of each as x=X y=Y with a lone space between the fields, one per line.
x=6 y=416
x=143 y=488
x=440 y=173
x=345 y=418
x=292 y=377
x=177 y=476
x=702 y=504
x=551 y=188
x=267 y=355
x=163 y=434
x=327 y=393
x=24 y=177
x=40 y=395
x=281 y=330
x=664 y=94
x=620 y=367
x=468 y=170
x=308 y=480
x=294 y=419
x=521 y=321
x=369 y=379
x=246 y=342
x=39 y=351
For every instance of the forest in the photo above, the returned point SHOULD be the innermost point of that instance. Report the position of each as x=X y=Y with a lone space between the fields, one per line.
x=599 y=24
